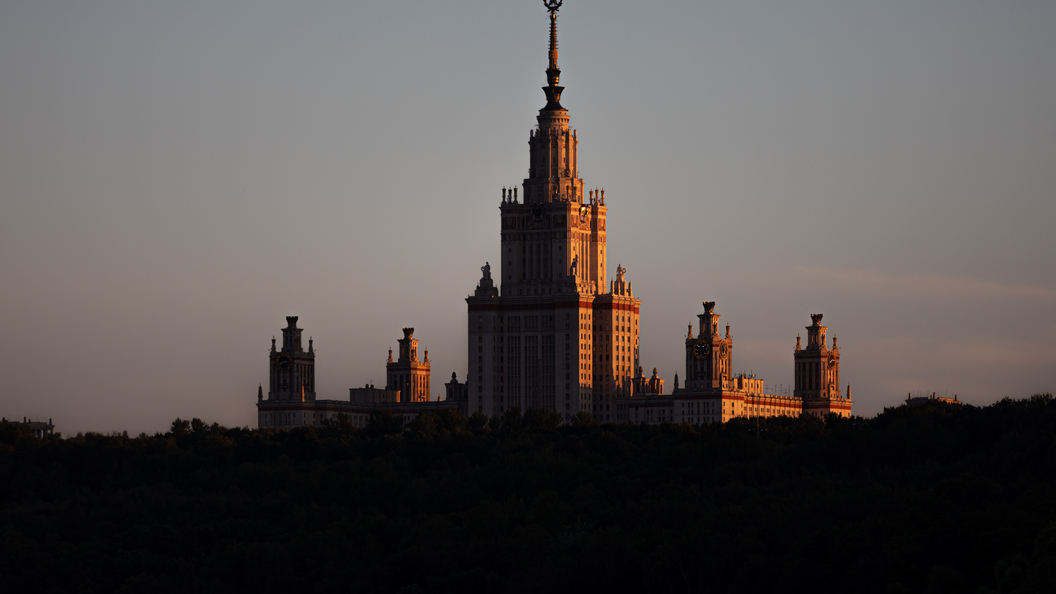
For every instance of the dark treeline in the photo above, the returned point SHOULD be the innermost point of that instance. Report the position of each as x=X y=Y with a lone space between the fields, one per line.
x=935 y=498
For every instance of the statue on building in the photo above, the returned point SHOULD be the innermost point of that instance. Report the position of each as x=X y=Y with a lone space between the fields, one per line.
x=486 y=270
x=575 y=266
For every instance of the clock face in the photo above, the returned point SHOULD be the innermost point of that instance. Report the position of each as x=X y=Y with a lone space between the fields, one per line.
x=832 y=360
x=700 y=349
x=724 y=350
x=284 y=362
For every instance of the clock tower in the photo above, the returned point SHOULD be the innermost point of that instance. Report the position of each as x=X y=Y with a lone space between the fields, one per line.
x=708 y=355
x=818 y=373
x=292 y=369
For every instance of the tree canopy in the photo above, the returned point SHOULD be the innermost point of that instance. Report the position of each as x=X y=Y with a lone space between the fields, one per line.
x=934 y=498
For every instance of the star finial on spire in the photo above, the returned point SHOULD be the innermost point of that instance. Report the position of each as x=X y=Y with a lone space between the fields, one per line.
x=553 y=73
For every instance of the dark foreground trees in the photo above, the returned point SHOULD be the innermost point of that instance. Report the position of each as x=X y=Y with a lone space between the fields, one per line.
x=928 y=499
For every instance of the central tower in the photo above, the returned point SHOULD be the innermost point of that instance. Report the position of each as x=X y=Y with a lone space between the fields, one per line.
x=553 y=239
x=547 y=336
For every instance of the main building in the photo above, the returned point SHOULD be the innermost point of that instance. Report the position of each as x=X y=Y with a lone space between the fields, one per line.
x=553 y=332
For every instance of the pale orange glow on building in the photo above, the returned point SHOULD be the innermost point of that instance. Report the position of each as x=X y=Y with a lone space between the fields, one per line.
x=713 y=395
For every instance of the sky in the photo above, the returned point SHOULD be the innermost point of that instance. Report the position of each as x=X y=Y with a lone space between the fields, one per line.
x=177 y=177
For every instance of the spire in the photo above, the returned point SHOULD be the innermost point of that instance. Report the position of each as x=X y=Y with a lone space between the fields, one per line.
x=553 y=73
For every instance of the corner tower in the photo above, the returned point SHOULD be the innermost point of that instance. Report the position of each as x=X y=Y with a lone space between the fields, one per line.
x=708 y=355
x=535 y=337
x=407 y=373
x=291 y=368
x=818 y=373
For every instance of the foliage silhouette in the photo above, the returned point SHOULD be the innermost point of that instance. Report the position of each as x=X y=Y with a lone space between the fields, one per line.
x=584 y=419
x=934 y=498
x=384 y=422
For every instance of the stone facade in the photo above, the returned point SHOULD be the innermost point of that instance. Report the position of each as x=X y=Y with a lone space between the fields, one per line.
x=408 y=375
x=648 y=386
x=818 y=373
x=712 y=394
x=922 y=400
x=456 y=391
x=292 y=369
x=287 y=415
x=40 y=429
x=291 y=400
x=370 y=394
x=554 y=333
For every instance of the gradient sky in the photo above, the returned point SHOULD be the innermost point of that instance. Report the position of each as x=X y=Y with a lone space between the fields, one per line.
x=176 y=177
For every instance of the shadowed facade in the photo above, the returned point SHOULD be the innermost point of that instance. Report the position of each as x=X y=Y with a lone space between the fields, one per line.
x=291 y=400
x=553 y=332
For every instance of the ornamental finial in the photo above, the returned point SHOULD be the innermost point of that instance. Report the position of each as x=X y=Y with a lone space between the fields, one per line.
x=553 y=73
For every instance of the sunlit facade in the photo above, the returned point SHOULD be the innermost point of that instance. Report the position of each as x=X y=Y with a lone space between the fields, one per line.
x=291 y=402
x=712 y=394
x=552 y=331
